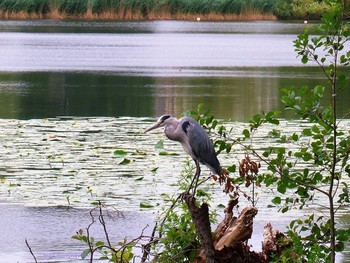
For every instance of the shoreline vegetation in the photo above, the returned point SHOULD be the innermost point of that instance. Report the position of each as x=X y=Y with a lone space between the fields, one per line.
x=163 y=9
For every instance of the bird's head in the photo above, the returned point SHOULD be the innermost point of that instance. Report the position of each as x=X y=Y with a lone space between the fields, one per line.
x=161 y=122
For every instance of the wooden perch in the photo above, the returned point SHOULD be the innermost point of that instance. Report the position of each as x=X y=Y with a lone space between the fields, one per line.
x=230 y=234
x=239 y=229
x=229 y=244
x=200 y=218
x=275 y=243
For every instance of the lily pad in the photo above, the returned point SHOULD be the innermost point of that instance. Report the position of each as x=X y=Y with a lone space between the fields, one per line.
x=168 y=153
x=125 y=161
x=120 y=152
x=146 y=205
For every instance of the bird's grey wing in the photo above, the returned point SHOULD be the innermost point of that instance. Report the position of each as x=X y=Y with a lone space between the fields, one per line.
x=198 y=140
x=200 y=144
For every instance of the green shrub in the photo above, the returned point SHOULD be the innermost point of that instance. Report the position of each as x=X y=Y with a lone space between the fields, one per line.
x=309 y=9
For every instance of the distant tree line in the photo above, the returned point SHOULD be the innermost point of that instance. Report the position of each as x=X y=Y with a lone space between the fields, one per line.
x=165 y=9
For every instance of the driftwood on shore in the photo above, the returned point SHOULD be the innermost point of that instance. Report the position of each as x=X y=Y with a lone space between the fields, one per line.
x=229 y=241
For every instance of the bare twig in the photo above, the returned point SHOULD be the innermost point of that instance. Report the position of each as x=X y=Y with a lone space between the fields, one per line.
x=103 y=223
x=146 y=248
x=92 y=250
x=31 y=252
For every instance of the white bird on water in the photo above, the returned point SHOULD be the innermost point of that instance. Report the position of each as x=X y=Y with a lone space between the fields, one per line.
x=194 y=140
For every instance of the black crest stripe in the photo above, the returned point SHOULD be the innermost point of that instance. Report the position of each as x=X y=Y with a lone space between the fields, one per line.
x=185 y=125
x=165 y=117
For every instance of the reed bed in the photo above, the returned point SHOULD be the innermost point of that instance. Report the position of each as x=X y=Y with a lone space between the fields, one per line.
x=139 y=9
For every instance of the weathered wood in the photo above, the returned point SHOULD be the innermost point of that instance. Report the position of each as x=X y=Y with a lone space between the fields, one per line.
x=200 y=218
x=240 y=229
x=230 y=235
x=221 y=228
x=272 y=244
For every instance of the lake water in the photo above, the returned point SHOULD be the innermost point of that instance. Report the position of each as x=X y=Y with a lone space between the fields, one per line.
x=50 y=68
x=110 y=70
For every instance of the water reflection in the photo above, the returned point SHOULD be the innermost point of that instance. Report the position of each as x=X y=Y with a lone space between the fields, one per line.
x=89 y=26
x=146 y=68
x=247 y=92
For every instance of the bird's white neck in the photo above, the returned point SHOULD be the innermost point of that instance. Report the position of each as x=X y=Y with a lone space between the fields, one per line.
x=170 y=128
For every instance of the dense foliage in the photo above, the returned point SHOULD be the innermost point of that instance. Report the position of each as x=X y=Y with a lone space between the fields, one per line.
x=164 y=9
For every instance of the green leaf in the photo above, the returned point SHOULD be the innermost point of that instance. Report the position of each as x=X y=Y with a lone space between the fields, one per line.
x=274 y=121
x=285 y=209
x=154 y=169
x=120 y=152
x=307 y=132
x=295 y=137
x=168 y=153
x=139 y=178
x=266 y=154
x=100 y=243
x=159 y=144
x=246 y=133
x=307 y=157
x=77 y=237
x=125 y=161
x=85 y=253
x=276 y=200
x=200 y=107
x=282 y=187
x=304 y=59
x=232 y=168
x=146 y=205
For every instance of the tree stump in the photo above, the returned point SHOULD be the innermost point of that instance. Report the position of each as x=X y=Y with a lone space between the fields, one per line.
x=230 y=235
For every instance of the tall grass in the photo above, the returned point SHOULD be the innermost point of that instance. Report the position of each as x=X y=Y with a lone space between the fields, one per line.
x=141 y=9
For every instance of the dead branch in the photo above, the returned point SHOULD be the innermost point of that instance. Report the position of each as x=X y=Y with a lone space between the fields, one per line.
x=31 y=252
x=200 y=218
x=239 y=229
x=231 y=234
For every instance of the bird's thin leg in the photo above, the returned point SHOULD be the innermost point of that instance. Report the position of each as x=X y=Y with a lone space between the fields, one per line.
x=195 y=178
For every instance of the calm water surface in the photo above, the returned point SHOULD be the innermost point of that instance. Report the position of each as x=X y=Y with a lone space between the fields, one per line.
x=52 y=68
x=110 y=69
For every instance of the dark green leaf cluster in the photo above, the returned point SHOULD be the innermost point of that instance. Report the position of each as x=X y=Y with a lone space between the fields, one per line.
x=312 y=164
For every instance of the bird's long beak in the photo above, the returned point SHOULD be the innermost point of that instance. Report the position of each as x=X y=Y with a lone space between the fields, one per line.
x=155 y=126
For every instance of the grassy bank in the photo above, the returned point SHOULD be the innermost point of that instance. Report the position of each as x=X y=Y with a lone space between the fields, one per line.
x=138 y=9
x=162 y=9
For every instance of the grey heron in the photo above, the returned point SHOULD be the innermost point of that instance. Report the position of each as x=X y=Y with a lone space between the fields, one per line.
x=194 y=140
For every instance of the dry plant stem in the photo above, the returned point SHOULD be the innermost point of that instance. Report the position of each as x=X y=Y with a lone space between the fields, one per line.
x=110 y=246
x=88 y=237
x=31 y=252
x=146 y=248
x=102 y=221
